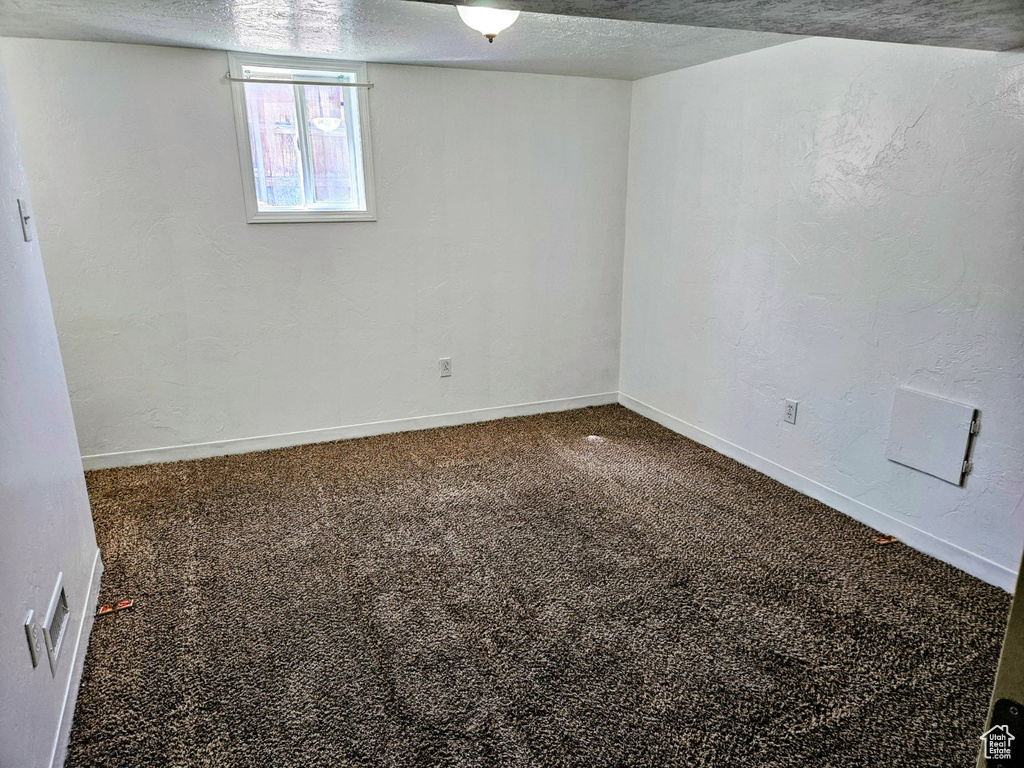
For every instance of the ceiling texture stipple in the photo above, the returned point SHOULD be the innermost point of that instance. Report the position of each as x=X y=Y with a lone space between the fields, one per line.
x=394 y=31
x=993 y=25
x=622 y=39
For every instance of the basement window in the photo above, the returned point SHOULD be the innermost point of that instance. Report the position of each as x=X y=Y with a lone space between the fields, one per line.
x=304 y=147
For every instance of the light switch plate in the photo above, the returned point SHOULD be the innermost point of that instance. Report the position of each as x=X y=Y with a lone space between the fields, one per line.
x=28 y=221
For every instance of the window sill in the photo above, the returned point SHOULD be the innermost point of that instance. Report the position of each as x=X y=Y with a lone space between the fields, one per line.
x=305 y=217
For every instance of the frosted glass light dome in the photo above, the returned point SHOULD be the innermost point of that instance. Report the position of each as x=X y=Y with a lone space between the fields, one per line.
x=487 y=21
x=326 y=124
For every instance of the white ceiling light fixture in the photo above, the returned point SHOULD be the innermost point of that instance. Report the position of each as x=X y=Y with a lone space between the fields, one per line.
x=487 y=21
x=326 y=124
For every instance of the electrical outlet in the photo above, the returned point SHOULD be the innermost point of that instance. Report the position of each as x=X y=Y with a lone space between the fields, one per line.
x=790 y=413
x=32 y=635
x=445 y=364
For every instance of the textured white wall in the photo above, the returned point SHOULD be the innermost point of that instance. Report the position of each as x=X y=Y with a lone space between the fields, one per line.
x=823 y=221
x=45 y=525
x=499 y=243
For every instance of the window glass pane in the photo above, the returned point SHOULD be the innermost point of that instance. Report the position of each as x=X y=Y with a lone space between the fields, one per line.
x=331 y=146
x=273 y=136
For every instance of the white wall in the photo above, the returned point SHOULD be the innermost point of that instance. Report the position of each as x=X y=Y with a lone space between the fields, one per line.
x=823 y=221
x=499 y=243
x=45 y=525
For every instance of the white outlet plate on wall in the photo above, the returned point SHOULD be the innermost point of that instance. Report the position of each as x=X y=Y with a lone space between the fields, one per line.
x=32 y=635
x=789 y=414
x=445 y=366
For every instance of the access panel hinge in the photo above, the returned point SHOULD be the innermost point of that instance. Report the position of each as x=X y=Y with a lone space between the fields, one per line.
x=968 y=466
x=28 y=224
x=975 y=426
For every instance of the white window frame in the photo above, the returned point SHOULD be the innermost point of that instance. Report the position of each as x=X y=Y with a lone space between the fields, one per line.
x=237 y=64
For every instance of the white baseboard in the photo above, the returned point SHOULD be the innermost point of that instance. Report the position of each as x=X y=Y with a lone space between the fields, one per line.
x=965 y=560
x=60 y=743
x=329 y=434
x=968 y=561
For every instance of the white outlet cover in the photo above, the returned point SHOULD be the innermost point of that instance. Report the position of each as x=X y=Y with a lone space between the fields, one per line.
x=789 y=414
x=33 y=637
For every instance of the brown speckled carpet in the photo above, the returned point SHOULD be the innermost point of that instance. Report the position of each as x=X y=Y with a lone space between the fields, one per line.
x=582 y=588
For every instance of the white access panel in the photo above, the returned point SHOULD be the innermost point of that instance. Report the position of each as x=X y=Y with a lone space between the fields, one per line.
x=930 y=434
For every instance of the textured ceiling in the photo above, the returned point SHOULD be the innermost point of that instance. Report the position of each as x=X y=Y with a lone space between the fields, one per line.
x=386 y=31
x=996 y=25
